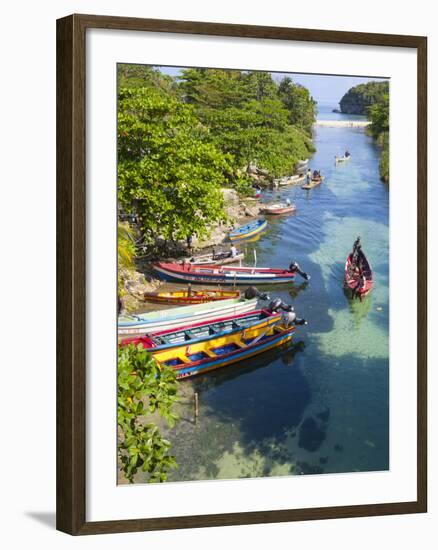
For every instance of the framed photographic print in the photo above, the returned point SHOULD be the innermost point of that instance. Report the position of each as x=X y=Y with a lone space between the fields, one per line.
x=241 y=229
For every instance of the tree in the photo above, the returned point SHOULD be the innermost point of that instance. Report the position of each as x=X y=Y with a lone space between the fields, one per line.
x=125 y=252
x=246 y=118
x=168 y=170
x=144 y=388
x=359 y=98
x=299 y=104
x=379 y=129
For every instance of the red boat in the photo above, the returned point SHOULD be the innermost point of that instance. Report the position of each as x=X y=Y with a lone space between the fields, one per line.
x=226 y=275
x=358 y=275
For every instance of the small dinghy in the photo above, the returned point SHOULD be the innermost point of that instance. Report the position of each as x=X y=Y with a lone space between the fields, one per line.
x=189 y=296
x=358 y=275
x=280 y=208
x=314 y=182
x=248 y=230
x=343 y=158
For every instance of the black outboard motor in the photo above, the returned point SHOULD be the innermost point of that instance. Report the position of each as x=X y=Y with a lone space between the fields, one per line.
x=252 y=292
x=289 y=317
x=277 y=305
x=295 y=268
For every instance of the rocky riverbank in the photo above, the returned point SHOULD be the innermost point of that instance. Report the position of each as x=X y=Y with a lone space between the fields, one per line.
x=239 y=210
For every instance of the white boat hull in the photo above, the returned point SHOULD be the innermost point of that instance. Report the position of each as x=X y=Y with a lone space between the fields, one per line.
x=168 y=322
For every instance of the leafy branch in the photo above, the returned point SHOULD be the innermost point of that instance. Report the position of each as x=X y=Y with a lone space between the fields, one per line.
x=144 y=388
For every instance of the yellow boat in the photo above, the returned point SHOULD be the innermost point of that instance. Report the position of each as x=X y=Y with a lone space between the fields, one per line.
x=198 y=358
x=189 y=296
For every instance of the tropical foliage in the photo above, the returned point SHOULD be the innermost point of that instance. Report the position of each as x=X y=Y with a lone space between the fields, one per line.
x=359 y=98
x=125 y=252
x=145 y=390
x=180 y=139
x=372 y=99
x=379 y=129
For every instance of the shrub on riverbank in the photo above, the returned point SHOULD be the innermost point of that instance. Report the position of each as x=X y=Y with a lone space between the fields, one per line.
x=144 y=388
x=372 y=99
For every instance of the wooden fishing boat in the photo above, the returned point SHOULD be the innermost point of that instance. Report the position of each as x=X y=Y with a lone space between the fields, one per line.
x=314 y=182
x=342 y=159
x=208 y=355
x=178 y=317
x=289 y=180
x=189 y=296
x=219 y=258
x=248 y=230
x=225 y=275
x=280 y=208
x=205 y=330
x=358 y=275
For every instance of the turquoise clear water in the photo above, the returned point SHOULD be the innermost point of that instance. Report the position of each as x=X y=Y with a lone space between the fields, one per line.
x=320 y=405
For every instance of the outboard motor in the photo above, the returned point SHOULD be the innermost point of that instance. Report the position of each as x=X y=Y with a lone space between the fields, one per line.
x=253 y=292
x=295 y=268
x=277 y=305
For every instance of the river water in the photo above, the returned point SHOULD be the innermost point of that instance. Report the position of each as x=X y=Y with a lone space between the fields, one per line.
x=321 y=405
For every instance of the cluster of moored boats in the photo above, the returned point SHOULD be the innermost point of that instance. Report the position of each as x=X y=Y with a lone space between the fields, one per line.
x=213 y=327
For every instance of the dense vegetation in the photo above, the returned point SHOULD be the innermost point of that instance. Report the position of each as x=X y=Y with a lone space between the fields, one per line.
x=360 y=98
x=379 y=129
x=372 y=100
x=144 y=389
x=181 y=139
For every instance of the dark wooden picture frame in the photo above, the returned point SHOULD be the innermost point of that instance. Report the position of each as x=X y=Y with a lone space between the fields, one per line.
x=71 y=271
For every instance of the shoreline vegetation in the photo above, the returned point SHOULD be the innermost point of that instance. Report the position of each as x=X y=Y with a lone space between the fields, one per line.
x=372 y=100
x=192 y=149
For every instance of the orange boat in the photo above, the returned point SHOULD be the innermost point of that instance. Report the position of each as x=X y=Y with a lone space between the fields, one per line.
x=190 y=296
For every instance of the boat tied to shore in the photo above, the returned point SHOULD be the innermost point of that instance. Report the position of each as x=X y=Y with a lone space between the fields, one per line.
x=152 y=321
x=279 y=208
x=228 y=275
x=289 y=180
x=248 y=230
x=204 y=330
x=224 y=350
x=358 y=275
x=190 y=296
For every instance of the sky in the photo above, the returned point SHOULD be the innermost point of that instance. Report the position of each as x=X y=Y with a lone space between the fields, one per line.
x=326 y=89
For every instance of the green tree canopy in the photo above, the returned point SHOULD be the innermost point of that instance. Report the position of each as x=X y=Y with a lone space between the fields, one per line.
x=299 y=104
x=168 y=169
x=359 y=98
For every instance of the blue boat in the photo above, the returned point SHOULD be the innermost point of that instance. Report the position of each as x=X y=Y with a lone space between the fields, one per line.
x=248 y=230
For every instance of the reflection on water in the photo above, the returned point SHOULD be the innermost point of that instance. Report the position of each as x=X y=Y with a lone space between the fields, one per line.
x=320 y=405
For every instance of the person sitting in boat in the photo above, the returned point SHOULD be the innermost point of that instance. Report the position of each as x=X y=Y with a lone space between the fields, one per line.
x=347 y=154
x=233 y=251
x=288 y=202
x=356 y=249
x=315 y=174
